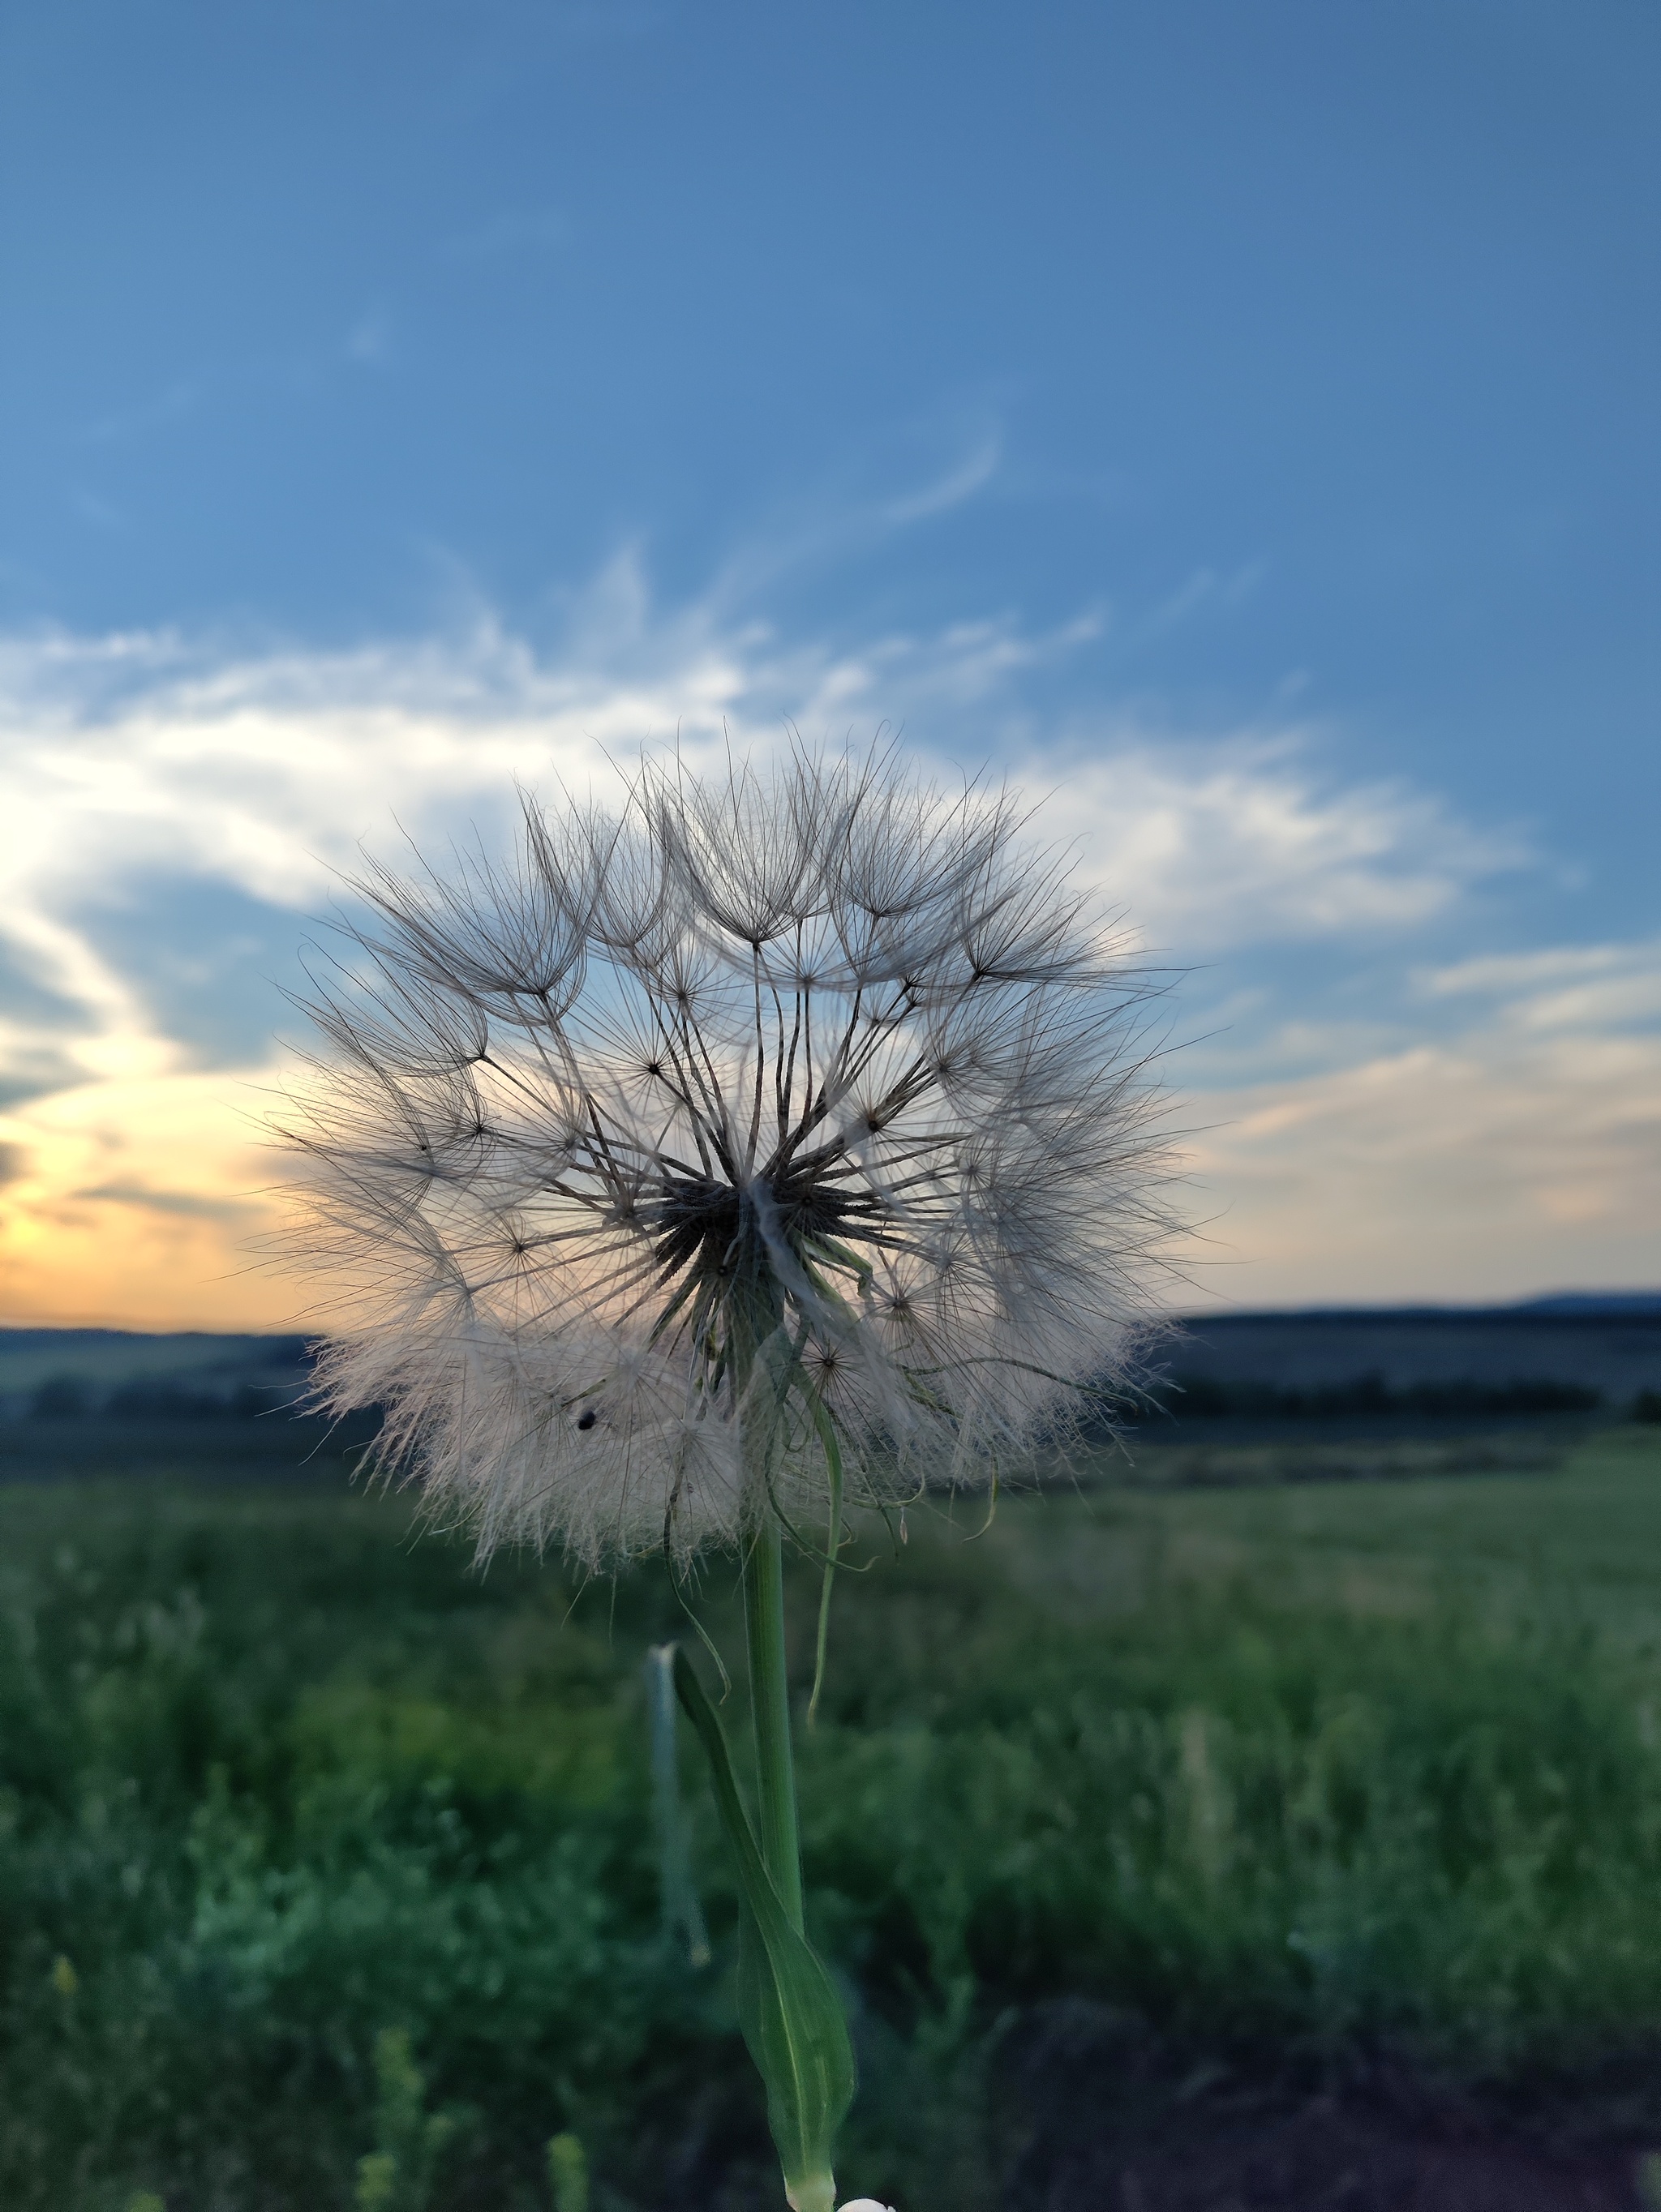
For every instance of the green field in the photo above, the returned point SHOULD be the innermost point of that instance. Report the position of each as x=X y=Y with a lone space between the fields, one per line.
x=1317 y=1767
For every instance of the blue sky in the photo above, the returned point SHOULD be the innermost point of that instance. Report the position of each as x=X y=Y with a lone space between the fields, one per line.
x=1237 y=421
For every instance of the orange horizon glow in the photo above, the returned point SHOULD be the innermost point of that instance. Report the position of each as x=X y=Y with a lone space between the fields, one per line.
x=141 y=1204
x=144 y=1200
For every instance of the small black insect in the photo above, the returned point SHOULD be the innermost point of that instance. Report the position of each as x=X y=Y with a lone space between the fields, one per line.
x=587 y=1420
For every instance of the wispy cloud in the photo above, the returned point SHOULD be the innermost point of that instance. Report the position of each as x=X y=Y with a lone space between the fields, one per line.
x=1205 y=588
x=100 y=512
x=369 y=340
x=1248 y=839
x=191 y=1203
x=179 y=397
x=959 y=483
x=1495 y=1162
x=175 y=807
x=510 y=231
x=1572 y=987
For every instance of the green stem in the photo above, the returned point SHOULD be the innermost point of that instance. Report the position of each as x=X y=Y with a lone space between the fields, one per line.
x=833 y=1546
x=770 y=1707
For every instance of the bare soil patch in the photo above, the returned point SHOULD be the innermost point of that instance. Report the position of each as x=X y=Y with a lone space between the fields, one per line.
x=1114 y=2120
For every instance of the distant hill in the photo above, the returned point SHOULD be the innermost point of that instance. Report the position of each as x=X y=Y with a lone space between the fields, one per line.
x=1581 y=1351
x=1595 y=1302
x=130 y=1372
x=1573 y=1351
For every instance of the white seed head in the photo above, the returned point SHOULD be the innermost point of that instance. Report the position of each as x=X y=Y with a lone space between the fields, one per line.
x=806 y=1098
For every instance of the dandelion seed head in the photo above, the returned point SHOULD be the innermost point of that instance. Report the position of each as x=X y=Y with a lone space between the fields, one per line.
x=799 y=1094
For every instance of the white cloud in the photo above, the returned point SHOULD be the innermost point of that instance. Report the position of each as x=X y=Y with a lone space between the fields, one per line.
x=129 y=758
x=1521 y=1154
x=266 y=769
x=1574 y=986
x=1245 y=841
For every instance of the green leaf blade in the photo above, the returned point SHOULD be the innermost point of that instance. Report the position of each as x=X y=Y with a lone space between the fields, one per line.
x=792 y=2016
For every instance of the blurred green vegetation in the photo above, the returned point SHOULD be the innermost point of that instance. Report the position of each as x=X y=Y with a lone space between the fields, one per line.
x=326 y=1864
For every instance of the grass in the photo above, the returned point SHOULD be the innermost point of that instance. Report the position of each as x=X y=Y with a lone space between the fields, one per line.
x=1319 y=1769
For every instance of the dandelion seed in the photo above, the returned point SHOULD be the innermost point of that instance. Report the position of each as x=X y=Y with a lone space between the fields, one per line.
x=777 y=1146
x=817 y=1066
